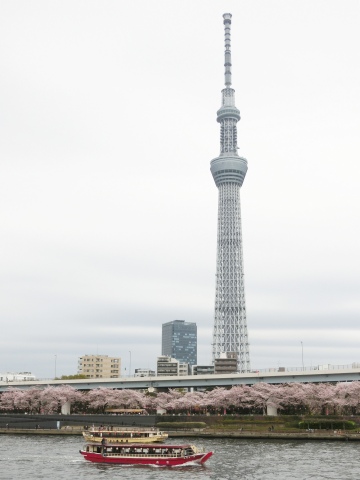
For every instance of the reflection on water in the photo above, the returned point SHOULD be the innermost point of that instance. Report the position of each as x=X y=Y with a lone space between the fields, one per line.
x=55 y=458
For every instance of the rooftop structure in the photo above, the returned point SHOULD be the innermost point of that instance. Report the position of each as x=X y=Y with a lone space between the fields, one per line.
x=144 y=372
x=17 y=377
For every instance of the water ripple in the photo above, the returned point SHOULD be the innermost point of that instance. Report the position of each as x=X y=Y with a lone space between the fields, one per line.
x=57 y=458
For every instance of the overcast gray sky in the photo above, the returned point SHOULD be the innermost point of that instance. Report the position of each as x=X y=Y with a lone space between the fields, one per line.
x=108 y=208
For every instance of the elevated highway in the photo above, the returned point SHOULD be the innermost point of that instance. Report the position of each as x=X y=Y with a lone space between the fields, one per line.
x=332 y=375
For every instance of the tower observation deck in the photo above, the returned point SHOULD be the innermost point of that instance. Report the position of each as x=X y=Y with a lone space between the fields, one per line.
x=230 y=336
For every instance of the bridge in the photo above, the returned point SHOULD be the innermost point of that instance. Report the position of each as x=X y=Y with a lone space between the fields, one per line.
x=330 y=374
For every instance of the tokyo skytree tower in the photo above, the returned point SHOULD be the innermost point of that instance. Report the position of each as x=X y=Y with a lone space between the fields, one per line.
x=230 y=336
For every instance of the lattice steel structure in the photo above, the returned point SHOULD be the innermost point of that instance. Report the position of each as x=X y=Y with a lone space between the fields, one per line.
x=230 y=337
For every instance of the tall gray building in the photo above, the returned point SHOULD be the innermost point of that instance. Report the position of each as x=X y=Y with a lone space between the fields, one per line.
x=179 y=341
x=229 y=170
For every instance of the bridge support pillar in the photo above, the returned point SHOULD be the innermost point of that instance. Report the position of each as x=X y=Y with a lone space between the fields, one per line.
x=270 y=410
x=65 y=409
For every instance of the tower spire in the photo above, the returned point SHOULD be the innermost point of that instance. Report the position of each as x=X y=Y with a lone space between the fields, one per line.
x=227 y=64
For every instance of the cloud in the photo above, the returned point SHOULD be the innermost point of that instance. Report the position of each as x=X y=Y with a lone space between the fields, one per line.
x=109 y=215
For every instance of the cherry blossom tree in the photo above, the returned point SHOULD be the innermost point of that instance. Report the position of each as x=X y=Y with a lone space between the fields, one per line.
x=127 y=399
x=240 y=398
x=99 y=398
x=187 y=402
x=53 y=398
x=30 y=400
x=164 y=399
x=215 y=399
x=198 y=401
x=265 y=395
x=292 y=397
x=10 y=399
x=347 y=395
x=150 y=402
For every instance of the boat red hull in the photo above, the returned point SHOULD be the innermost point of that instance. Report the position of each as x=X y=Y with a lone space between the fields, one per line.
x=157 y=461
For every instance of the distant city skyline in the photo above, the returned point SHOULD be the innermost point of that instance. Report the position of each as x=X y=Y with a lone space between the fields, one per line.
x=108 y=226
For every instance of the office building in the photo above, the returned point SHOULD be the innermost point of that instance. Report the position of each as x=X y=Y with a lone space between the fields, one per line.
x=179 y=341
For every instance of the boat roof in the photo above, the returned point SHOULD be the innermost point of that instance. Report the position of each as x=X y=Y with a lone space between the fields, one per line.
x=142 y=445
x=121 y=429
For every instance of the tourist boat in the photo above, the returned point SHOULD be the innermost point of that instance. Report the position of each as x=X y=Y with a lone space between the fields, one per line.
x=145 y=454
x=124 y=435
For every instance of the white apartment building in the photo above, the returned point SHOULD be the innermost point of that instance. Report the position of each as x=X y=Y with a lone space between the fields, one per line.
x=16 y=377
x=144 y=372
x=167 y=367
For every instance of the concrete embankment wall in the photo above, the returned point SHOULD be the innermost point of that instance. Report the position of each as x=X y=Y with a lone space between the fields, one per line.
x=21 y=421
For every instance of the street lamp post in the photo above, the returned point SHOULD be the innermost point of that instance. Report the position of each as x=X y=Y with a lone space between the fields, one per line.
x=130 y=365
x=302 y=355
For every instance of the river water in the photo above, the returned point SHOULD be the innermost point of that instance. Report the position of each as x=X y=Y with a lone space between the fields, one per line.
x=54 y=458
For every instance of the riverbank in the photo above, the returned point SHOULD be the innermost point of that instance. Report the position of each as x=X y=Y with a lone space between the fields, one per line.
x=331 y=436
x=215 y=426
x=314 y=436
